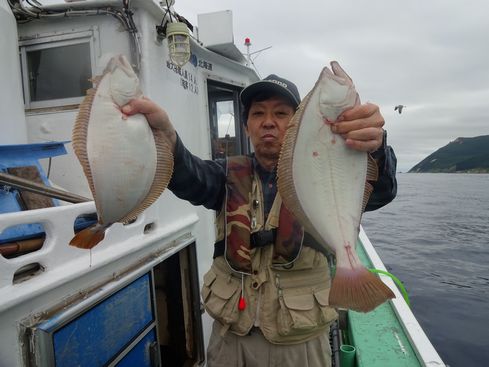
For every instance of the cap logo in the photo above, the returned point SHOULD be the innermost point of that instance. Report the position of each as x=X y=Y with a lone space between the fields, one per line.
x=282 y=84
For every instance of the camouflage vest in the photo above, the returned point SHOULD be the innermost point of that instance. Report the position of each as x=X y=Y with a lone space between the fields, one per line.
x=237 y=206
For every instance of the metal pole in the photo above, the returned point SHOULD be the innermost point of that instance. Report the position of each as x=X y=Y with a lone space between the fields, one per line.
x=23 y=184
x=248 y=55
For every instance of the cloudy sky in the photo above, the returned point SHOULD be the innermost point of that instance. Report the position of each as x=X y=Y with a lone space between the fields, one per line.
x=432 y=56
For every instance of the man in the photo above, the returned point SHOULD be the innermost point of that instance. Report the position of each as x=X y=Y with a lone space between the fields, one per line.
x=270 y=309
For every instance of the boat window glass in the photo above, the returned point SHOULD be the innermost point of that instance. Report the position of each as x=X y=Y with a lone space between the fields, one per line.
x=225 y=119
x=226 y=133
x=59 y=72
x=56 y=71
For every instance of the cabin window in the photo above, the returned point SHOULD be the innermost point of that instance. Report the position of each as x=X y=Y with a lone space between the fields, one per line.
x=226 y=132
x=56 y=72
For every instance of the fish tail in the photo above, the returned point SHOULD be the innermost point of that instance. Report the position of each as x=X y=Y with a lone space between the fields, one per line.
x=89 y=237
x=358 y=289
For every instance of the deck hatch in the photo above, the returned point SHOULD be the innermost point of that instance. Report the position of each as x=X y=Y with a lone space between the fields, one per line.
x=101 y=333
x=141 y=355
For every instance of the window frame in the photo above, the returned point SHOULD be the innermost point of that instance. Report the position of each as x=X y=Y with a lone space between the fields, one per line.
x=233 y=91
x=47 y=42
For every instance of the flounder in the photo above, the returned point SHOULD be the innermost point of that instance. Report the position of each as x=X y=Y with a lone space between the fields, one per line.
x=326 y=185
x=126 y=162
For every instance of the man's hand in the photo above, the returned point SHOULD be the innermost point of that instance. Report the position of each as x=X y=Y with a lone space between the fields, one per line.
x=361 y=127
x=156 y=116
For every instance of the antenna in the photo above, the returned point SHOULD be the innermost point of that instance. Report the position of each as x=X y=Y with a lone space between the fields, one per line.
x=248 y=55
x=249 y=61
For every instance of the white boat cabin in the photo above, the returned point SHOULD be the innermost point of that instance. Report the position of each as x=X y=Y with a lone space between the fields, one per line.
x=133 y=300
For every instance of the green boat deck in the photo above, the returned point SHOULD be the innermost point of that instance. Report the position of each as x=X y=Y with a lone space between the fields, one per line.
x=378 y=336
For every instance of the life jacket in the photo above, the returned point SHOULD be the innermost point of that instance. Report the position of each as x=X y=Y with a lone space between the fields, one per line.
x=286 y=239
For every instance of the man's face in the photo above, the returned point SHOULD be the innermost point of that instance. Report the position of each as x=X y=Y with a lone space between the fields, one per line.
x=267 y=123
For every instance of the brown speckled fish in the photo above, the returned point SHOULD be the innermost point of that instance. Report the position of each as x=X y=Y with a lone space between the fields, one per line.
x=127 y=164
x=325 y=184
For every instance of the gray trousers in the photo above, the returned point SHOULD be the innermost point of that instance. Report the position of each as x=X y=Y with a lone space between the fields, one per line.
x=254 y=350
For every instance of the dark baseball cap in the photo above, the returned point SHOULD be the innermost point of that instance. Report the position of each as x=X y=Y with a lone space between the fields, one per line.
x=274 y=84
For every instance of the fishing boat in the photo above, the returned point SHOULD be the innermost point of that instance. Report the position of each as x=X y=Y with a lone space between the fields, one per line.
x=133 y=300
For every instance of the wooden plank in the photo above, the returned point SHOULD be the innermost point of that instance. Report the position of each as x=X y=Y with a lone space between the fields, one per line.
x=30 y=200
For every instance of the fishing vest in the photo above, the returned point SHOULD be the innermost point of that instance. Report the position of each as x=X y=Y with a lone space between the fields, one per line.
x=240 y=221
x=280 y=284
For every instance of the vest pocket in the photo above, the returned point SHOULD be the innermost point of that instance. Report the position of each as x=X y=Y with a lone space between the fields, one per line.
x=300 y=313
x=220 y=295
x=209 y=278
x=322 y=298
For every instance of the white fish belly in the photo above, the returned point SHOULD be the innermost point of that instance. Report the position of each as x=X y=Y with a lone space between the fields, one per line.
x=329 y=179
x=122 y=156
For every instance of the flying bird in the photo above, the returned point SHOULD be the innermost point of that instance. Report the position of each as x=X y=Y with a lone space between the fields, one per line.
x=399 y=108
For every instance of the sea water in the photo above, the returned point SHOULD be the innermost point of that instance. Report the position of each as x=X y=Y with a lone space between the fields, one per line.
x=435 y=237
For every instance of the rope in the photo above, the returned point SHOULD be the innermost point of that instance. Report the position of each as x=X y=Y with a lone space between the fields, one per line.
x=397 y=281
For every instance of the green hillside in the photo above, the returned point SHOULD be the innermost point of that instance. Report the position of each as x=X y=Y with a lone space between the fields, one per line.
x=460 y=155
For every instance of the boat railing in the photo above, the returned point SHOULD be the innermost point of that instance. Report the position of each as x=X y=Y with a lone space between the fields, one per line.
x=56 y=262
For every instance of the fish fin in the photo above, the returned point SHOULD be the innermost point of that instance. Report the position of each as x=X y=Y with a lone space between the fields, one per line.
x=366 y=195
x=97 y=79
x=163 y=173
x=372 y=169
x=358 y=289
x=285 y=182
x=89 y=237
x=79 y=136
x=372 y=176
